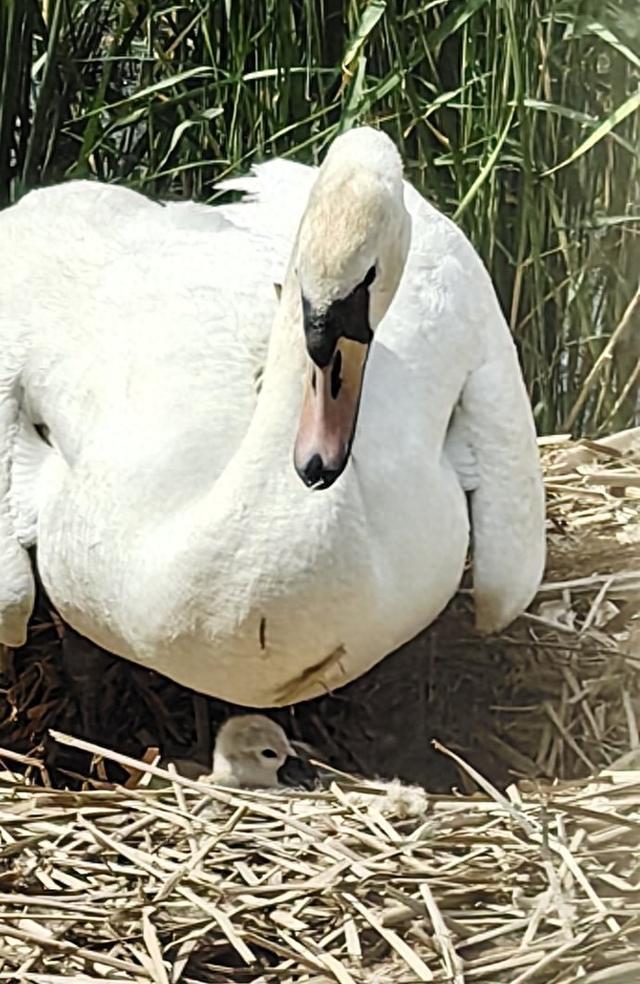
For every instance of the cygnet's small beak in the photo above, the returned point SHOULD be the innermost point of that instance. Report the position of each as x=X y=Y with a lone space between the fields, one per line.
x=329 y=414
x=297 y=771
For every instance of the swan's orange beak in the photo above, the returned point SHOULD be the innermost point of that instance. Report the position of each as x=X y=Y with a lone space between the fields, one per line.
x=329 y=414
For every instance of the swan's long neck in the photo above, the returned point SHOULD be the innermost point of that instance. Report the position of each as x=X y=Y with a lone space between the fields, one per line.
x=263 y=463
x=286 y=357
x=271 y=432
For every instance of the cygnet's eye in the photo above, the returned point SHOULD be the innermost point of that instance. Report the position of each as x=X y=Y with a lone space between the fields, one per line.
x=269 y=753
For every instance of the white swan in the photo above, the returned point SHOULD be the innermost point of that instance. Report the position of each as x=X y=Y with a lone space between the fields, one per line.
x=171 y=525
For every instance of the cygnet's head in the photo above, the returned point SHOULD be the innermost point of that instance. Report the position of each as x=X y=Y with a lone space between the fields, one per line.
x=350 y=252
x=249 y=750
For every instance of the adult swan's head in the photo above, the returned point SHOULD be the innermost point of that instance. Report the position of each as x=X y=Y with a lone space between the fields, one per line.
x=349 y=256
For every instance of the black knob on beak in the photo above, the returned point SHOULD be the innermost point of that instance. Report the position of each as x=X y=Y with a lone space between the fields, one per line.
x=315 y=474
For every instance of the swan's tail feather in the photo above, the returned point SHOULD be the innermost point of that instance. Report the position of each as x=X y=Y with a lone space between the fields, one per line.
x=265 y=189
x=272 y=179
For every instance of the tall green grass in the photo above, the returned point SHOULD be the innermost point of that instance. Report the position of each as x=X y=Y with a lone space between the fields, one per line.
x=520 y=119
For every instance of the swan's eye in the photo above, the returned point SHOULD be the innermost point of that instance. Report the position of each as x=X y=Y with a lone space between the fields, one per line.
x=269 y=753
x=370 y=277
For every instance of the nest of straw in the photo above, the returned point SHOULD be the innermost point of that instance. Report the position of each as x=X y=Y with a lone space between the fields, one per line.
x=515 y=867
x=358 y=883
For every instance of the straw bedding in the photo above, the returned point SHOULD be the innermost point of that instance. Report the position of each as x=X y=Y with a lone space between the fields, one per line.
x=517 y=865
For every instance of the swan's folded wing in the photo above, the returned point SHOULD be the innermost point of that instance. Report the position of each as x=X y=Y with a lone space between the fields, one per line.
x=29 y=457
x=17 y=589
x=507 y=503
